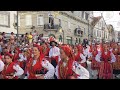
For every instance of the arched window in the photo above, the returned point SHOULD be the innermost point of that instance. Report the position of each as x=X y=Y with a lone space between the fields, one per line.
x=76 y=40
x=79 y=40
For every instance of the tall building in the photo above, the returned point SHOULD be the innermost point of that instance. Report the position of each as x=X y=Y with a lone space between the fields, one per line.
x=7 y=21
x=117 y=36
x=100 y=31
x=111 y=32
x=66 y=26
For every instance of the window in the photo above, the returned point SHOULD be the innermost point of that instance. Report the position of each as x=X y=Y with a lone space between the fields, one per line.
x=51 y=21
x=99 y=24
x=76 y=40
x=60 y=38
x=104 y=34
x=81 y=34
x=69 y=40
x=96 y=33
x=86 y=16
x=28 y=19
x=69 y=25
x=5 y=19
x=102 y=24
x=82 y=14
x=79 y=40
x=79 y=31
x=100 y=33
x=40 y=20
x=84 y=31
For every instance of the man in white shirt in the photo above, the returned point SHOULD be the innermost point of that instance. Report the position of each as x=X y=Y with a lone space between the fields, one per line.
x=54 y=53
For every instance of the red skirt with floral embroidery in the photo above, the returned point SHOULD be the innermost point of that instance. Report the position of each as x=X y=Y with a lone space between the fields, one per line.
x=105 y=71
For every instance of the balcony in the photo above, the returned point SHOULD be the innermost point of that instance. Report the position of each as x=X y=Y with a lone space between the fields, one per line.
x=78 y=32
x=47 y=27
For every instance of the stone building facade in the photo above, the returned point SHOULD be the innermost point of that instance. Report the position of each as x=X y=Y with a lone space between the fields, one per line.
x=69 y=27
x=7 y=21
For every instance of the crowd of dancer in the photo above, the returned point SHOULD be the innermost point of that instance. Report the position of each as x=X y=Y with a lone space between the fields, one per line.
x=31 y=57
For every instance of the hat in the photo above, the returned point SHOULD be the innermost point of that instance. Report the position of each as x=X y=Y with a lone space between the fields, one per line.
x=51 y=40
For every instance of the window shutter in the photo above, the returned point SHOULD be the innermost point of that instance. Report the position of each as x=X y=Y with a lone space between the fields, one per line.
x=40 y=20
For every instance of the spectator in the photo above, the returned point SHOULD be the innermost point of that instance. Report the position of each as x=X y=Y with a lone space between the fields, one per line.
x=30 y=37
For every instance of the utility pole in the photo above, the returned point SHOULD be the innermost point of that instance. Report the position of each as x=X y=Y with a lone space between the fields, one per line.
x=88 y=28
x=17 y=26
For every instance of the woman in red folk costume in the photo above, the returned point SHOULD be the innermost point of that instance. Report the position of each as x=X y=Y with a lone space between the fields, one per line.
x=95 y=64
x=22 y=59
x=45 y=48
x=68 y=68
x=116 y=64
x=38 y=67
x=28 y=55
x=16 y=54
x=11 y=69
x=79 y=57
x=107 y=57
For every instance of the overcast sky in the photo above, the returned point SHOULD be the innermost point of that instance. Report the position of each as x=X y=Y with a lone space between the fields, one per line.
x=111 y=17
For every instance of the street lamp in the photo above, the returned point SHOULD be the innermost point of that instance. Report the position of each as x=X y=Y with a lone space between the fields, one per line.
x=62 y=31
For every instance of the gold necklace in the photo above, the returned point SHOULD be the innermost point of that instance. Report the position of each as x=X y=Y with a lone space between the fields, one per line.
x=63 y=70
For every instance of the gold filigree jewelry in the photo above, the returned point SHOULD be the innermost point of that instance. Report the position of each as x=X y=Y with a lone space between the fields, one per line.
x=63 y=70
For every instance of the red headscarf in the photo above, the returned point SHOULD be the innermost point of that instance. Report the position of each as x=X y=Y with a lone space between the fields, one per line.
x=67 y=51
x=39 y=48
x=8 y=54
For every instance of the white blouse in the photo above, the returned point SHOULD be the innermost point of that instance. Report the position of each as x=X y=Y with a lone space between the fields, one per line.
x=1 y=65
x=54 y=51
x=47 y=65
x=113 y=58
x=18 y=69
x=83 y=58
x=78 y=69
